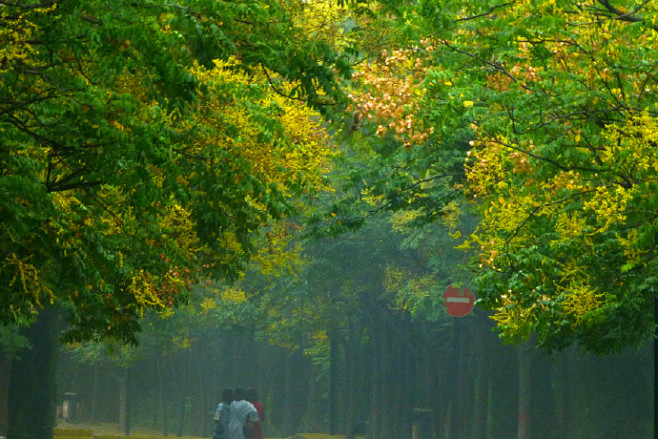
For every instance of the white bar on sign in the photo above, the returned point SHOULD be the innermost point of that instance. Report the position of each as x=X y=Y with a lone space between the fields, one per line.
x=458 y=299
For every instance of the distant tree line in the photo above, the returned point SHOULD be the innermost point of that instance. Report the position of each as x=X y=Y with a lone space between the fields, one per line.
x=450 y=380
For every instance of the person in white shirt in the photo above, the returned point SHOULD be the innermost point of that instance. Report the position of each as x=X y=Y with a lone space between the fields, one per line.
x=242 y=416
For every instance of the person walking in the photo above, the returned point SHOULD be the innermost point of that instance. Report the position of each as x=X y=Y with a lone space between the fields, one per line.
x=243 y=416
x=252 y=397
x=220 y=420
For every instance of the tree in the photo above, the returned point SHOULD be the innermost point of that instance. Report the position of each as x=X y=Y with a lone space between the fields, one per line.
x=545 y=119
x=129 y=163
x=11 y=345
x=123 y=158
x=561 y=166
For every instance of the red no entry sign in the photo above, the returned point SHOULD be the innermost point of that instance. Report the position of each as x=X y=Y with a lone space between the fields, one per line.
x=459 y=303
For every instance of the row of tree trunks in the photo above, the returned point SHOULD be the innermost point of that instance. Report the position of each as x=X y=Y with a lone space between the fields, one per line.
x=387 y=373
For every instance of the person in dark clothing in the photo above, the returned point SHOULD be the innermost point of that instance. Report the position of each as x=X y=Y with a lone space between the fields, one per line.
x=220 y=420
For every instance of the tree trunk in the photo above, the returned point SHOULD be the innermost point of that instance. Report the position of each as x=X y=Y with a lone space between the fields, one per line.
x=352 y=362
x=295 y=396
x=483 y=374
x=408 y=392
x=375 y=383
x=33 y=387
x=459 y=381
x=197 y=393
x=437 y=390
x=655 y=368
x=562 y=396
x=124 y=408
x=503 y=388
x=162 y=397
x=5 y=376
x=397 y=414
x=317 y=408
x=93 y=416
x=181 y=393
x=425 y=406
x=440 y=392
x=204 y=400
x=388 y=415
x=333 y=384
x=524 y=352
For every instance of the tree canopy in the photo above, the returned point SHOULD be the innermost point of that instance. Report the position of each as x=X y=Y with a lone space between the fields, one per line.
x=544 y=117
x=145 y=141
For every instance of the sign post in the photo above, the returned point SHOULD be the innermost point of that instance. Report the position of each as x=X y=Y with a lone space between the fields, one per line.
x=458 y=303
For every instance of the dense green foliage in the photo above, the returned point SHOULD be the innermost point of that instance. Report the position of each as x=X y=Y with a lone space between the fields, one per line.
x=147 y=146
x=542 y=117
x=136 y=150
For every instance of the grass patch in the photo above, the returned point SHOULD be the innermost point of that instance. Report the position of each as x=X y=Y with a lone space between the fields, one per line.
x=111 y=431
x=73 y=433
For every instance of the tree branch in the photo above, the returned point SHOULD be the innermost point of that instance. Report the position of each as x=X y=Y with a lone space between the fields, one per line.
x=494 y=65
x=545 y=159
x=484 y=14
x=28 y=6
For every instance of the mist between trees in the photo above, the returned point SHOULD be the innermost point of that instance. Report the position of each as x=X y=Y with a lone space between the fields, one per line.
x=335 y=349
x=453 y=380
x=340 y=353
